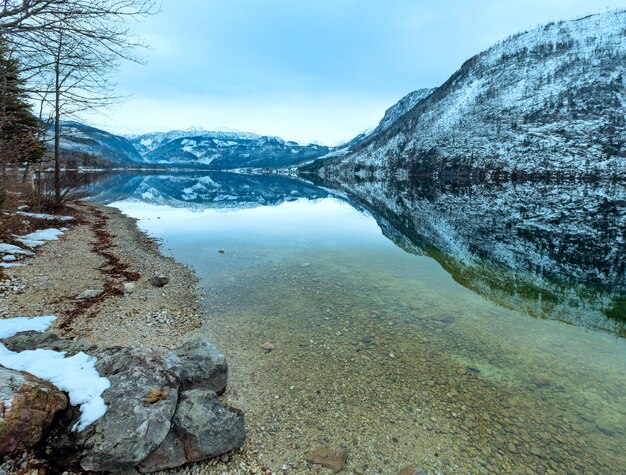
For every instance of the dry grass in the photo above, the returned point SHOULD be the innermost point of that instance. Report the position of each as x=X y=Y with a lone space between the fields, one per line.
x=155 y=395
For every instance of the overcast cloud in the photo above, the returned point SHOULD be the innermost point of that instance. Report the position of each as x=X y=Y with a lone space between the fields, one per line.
x=308 y=70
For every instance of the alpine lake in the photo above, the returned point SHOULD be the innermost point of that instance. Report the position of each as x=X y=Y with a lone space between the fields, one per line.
x=460 y=328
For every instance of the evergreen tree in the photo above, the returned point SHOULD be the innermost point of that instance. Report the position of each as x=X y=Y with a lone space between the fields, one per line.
x=19 y=128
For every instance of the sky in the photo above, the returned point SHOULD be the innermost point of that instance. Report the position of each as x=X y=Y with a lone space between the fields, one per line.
x=307 y=70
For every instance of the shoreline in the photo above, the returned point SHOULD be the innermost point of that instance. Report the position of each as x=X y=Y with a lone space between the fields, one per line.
x=103 y=250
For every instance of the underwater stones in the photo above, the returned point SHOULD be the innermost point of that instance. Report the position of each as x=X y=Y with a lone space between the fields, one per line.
x=606 y=429
x=267 y=347
x=333 y=459
x=540 y=380
x=411 y=470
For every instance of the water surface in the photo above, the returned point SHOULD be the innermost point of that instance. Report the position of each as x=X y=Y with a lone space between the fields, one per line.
x=403 y=333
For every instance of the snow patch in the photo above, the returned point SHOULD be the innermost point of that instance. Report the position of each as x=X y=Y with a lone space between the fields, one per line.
x=39 y=238
x=14 y=250
x=46 y=216
x=76 y=375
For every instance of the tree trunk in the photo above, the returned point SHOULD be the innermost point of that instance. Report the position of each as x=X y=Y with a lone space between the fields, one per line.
x=57 y=131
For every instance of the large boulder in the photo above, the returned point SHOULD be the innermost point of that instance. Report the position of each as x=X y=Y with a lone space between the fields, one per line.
x=202 y=428
x=201 y=365
x=162 y=410
x=140 y=405
x=27 y=407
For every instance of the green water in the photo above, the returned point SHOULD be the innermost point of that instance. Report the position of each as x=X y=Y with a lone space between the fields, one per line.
x=384 y=354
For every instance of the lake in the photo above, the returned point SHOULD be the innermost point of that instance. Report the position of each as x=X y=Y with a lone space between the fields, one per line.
x=462 y=328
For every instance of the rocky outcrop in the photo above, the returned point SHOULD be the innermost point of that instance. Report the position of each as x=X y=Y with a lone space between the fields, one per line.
x=163 y=408
x=27 y=407
x=202 y=428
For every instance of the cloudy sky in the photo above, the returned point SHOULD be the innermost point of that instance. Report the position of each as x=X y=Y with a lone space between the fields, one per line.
x=307 y=70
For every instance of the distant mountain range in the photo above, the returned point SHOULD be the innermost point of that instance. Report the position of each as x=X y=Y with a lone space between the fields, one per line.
x=543 y=102
x=547 y=101
x=188 y=149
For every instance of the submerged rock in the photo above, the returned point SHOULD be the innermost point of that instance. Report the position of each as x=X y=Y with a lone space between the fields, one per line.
x=267 y=347
x=540 y=380
x=334 y=459
x=27 y=407
x=411 y=470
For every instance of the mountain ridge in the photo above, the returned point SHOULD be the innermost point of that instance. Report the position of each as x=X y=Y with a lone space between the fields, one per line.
x=191 y=148
x=551 y=99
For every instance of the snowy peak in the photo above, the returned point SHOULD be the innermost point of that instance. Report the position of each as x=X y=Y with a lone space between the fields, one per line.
x=146 y=143
x=551 y=100
x=224 y=151
x=403 y=106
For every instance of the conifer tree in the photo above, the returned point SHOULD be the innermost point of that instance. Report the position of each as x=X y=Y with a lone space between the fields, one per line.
x=19 y=128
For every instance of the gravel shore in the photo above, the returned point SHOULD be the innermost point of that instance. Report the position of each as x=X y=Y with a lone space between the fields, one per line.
x=104 y=250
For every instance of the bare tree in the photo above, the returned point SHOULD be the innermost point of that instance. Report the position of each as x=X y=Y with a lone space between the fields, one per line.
x=71 y=48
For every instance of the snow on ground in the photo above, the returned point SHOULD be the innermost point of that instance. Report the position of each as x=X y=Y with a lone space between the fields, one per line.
x=45 y=216
x=76 y=375
x=39 y=238
x=14 y=250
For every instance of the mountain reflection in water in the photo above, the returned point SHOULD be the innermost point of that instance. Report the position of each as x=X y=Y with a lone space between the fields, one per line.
x=549 y=250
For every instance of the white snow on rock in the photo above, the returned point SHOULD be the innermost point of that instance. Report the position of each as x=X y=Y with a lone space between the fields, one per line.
x=9 y=258
x=7 y=265
x=39 y=238
x=46 y=216
x=76 y=375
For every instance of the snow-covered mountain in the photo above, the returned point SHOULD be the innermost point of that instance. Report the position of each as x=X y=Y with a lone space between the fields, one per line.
x=146 y=143
x=550 y=100
x=77 y=137
x=392 y=115
x=192 y=148
x=226 y=150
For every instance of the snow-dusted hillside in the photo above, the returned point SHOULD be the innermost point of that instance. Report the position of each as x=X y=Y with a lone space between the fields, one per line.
x=551 y=100
x=77 y=137
x=223 y=151
x=192 y=148
x=551 y=250
x=146 y=143
x=404 y=105
x=392 y=115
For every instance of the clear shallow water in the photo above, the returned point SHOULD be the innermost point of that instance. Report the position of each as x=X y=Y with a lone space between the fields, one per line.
x=383 y=352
